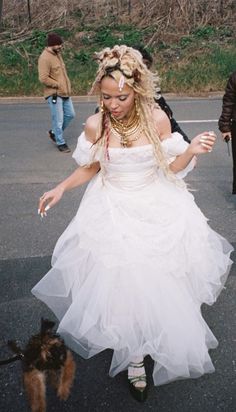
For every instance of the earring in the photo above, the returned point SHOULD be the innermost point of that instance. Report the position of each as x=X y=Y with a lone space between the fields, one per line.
x=137 y=106
x=102 y=109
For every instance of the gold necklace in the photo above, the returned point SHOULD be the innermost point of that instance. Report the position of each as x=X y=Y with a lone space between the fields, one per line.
x=124 y=131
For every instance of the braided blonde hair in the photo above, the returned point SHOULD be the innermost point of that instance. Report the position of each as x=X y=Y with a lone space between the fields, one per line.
x=128 y=62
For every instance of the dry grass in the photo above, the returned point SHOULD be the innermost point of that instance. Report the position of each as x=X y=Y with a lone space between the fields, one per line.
x=192 y=41
x=171 y=18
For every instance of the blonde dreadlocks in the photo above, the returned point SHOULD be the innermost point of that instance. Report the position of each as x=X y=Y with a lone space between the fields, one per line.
x=127 y=62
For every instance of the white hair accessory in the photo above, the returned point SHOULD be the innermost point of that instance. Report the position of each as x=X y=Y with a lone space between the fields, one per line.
x=121 y=82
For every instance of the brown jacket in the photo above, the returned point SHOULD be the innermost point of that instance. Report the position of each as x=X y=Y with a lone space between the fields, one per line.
x=52 y=73
x=229 y=105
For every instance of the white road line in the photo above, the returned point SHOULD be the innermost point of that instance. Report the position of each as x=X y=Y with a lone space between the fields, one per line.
x=199 y=121
x=191 y=121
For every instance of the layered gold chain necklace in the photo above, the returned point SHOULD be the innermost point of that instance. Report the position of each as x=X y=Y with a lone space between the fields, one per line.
x=128 y=132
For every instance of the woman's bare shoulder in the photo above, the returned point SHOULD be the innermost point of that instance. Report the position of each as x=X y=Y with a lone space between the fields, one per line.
x=162 y=123
x=91 y=127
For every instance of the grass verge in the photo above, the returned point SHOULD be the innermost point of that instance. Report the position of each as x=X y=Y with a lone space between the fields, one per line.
x=196 y=64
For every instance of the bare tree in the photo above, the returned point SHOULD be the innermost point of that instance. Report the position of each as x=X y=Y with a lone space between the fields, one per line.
x=1 y=8
x=29 y=12
x=129 y=7
x=172 y=18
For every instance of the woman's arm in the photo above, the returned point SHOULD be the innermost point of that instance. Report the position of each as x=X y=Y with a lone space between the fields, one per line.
x=203 y=143
x=80 y=176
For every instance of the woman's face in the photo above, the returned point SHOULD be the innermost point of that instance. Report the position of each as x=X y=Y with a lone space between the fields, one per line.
x=118 y=103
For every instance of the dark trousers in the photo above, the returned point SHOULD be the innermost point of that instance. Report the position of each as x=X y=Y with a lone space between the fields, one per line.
x=233 y=141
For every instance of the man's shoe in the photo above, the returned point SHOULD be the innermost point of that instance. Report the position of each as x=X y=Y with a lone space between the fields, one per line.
x=52 y=136
x=64 y=148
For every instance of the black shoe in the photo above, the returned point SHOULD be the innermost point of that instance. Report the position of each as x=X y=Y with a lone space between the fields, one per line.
x=64 y=148
x=52 y=136
x=138 y=393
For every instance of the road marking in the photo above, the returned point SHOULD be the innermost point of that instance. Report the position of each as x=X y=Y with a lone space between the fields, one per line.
x=191 y=121
x=199 y=121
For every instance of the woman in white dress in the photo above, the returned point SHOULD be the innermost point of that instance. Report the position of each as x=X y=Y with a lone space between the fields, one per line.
x=135 y=264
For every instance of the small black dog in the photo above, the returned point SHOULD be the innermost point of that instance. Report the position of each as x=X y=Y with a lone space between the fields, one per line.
x=45 y=356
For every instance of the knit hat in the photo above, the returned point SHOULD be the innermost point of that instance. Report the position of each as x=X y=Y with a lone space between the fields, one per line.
x=54 y=39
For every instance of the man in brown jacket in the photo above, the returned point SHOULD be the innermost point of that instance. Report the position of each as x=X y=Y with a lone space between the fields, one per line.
x=227 y=121
x=57 y=89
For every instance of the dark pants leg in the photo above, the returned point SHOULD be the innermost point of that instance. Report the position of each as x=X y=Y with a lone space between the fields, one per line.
x=233 y=141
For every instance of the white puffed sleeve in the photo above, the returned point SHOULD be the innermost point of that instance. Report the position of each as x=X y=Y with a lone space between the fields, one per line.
x=174 y=146
x=83 y=154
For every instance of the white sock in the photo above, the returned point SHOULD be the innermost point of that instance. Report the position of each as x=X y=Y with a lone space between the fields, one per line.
x=136 y=359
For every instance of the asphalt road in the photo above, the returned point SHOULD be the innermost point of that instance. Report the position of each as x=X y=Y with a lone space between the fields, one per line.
x=29 y=165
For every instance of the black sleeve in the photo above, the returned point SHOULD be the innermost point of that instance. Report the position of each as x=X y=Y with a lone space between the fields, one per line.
x=163 y=105
x=175 y=127
x=229 y=103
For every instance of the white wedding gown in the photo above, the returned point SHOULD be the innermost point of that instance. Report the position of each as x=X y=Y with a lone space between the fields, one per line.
x=133 y=267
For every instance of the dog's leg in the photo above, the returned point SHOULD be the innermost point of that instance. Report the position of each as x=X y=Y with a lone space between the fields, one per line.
x=66 y=377
x=53 y=378
x=34 y=382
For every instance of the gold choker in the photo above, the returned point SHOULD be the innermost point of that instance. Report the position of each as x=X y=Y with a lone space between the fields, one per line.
x=124 y=131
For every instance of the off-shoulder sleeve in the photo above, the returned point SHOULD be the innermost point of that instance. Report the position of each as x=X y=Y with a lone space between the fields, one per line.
x=174 y=146
x=83 y=154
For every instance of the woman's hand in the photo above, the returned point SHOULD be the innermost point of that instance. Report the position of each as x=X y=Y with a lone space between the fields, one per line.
x=202 y=143
x=80 y=176
x=49 y=199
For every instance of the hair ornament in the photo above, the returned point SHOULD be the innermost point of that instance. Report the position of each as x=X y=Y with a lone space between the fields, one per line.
x=121 y=82
x=133 y=71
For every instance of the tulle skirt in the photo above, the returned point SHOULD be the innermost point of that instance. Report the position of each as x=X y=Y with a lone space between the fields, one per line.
x=130 y=274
